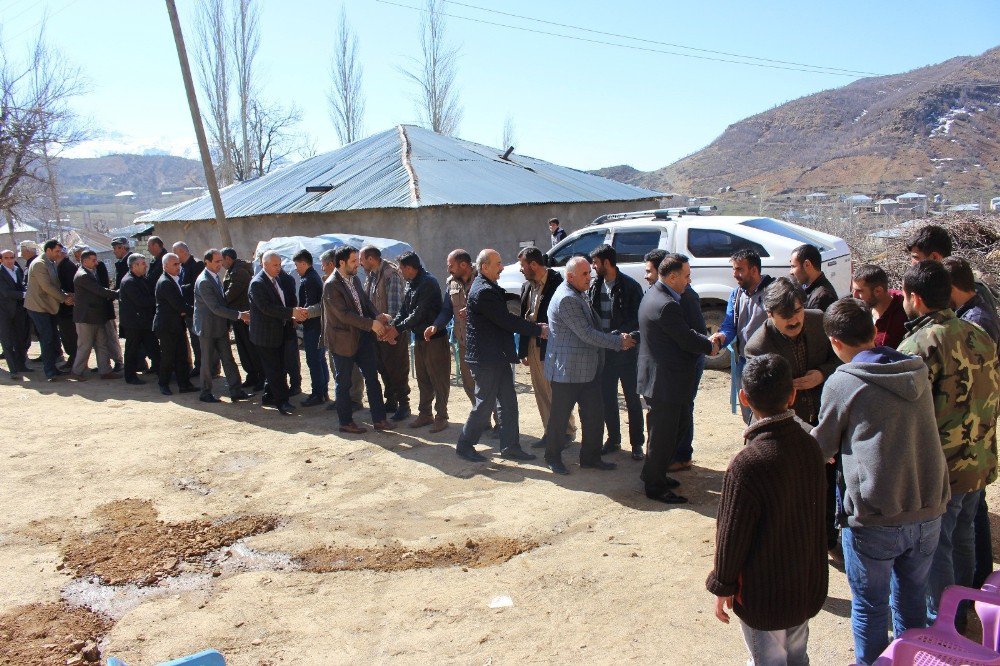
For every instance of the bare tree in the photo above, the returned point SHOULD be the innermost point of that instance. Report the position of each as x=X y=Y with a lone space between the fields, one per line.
x=347 y=103
x=214 y=72
x=246 y=41
x=434 y=74
x=508 y=138
x=272 y=137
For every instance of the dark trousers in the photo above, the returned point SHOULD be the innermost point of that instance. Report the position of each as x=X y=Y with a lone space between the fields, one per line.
x=12 y=334
x=343 y=367
x=174 y=355
x=138 y=342
x=494 y=390
x=47 y=327
x=67 y=333
x=620 y=368
x=249 y=358
x=195 y=343
x=832 y=528
x=319 y=372
x=564 y=396
x=433 y=361
x=394 y=368
x=685 y=447
x=667 y=423
x=984 y=543
x=275 y=362
x=293 y=365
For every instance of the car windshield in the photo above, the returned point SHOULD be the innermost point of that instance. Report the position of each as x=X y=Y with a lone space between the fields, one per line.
x=788 y=231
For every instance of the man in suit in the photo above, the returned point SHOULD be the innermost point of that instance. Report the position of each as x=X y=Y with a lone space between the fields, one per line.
x=122 y=250
x=156 y=250
x=273 y=314
x=350 y=326
x=490 y=353
x=13 y=316
x=310 y=297
x=573 y=360
x=668 y=369
x=136 y=309
x=807 y=269
x=29 y=252
x=42 y=302
x=211 y=324
x=191 y=268
x=171 y=331
x=384 y=286
x=536 y=294
x=236 y=287
x=66 y=270
x=110 y=340
x=90 y=314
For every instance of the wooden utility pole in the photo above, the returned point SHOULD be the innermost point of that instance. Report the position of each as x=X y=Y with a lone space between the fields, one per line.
x=199 y=128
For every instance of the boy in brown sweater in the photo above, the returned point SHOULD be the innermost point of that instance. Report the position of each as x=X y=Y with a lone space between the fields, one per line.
x=770 y=547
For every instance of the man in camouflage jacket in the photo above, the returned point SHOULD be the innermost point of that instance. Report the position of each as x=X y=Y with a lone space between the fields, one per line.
x=962 y=362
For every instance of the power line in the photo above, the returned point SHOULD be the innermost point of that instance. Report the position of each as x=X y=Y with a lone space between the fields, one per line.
x=45 y=18
x=651 y=41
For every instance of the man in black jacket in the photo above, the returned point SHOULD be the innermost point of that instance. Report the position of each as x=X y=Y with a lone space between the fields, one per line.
x=136 y=309
x=236 y=287
x=490 y=353
x=66 y=271
x=13 y=316
x=191 y=268
x=536 y=293
x=122 y=250
x=91 y=315
x=310 y=296
x=432 y=357
x=668 y=356
x=615 y=299
x=807 y=270
x=156 y=250
x=168 y=323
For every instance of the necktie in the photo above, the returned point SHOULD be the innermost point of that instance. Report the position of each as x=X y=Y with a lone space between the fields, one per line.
x=281 y=294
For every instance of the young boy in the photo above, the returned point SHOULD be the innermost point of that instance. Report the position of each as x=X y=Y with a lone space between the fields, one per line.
x=770 y=547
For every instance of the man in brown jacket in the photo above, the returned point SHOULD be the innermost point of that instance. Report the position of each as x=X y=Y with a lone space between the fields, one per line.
x=384 y=287
x=42 y=301
x=350 y=324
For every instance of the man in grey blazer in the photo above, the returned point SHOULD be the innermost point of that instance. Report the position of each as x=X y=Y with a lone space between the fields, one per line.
x=574 y=355
x=211 y=325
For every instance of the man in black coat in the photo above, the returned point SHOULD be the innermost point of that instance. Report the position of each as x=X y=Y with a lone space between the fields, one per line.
x=13 y=316
x=191 y=268
x=615 y=299
x=236 y=287
x=66 y=270
x=490 y=353
x=93 y=302
x=156 y=250
x=120 y=247
x=171 y=329
x=310 y=296
x=273 y=313
x=136 y=309
x=807 y=270
x=668 y=358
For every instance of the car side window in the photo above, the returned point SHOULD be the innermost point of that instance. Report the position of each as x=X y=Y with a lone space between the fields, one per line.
x=632 y=246
x=581 y=245
x=718 y=244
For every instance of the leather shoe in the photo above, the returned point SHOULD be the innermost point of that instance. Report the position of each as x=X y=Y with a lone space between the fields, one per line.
x=239 y=394
x=402 y=413
x=111 y=375
x=599 y=464
x=353 y=428
x=668 y=497
x=610 y=447
x=135 y=381
x=313 y=400
x=382 y=425
x=470 y=454
x=165 y=390
x=558 y=467
x=439 y=424
x=187 y=389
x=421 y=421
x=286 y=408
x=208 y=397
x=637 y=454
x=517 y=454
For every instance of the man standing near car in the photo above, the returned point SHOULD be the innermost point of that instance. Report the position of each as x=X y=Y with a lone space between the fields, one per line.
x=807 y=269
x=556 y=232
x=615 y=299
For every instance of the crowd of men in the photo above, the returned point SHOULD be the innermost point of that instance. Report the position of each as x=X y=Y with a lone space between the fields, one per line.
x=871 y=419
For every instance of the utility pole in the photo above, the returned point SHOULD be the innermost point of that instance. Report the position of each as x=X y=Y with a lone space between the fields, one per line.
x=199 y=129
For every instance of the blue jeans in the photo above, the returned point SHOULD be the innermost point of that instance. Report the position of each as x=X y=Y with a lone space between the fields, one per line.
x=620 y=367
x=685 y=445
x=777 y=648
x=319 y=372
x=887 y=566
x=494 y=390
x=46 y=325
x=955 y=558
x=343 y=367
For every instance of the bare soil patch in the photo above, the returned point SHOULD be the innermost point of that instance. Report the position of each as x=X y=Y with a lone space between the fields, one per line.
x=135 y=547
x=55 y=633
x=474 y=554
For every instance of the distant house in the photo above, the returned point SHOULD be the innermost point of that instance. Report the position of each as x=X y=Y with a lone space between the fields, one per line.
x=22 y=232
x=887 y=206
x=913 y=202
x=697 y=201
x=964 y=208
x=817 y=197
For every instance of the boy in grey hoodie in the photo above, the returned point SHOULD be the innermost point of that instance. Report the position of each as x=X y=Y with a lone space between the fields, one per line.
x=878 y=410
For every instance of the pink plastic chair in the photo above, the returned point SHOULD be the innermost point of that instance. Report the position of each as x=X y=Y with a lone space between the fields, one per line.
x=989 y=612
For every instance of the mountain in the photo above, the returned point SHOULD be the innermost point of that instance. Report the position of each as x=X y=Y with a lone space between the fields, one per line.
x=99 y=178
x=936 y=128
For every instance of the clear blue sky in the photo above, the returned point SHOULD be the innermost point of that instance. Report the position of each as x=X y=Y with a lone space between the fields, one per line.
x=574 y=103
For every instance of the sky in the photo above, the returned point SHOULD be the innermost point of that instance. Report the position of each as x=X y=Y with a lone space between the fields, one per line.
x=573 y=102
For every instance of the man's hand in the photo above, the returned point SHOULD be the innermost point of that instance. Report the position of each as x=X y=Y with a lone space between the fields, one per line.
x=545 y=332
x=462 y=314
x=69 y=299
x=378 y=328
x=811 y=379
x=384 y=318
x=429 y=333
x=300 y=315
x=245 y=316
x=715 y=346
x=391 y=335
x=721 y=603
x=627 y=342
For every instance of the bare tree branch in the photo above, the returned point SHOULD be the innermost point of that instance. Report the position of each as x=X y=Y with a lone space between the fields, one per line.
x=246 y=41
x=347 y=103
x=434 y=74
x=213 y=70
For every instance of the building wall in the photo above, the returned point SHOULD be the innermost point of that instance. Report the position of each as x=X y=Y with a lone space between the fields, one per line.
x=433 y=232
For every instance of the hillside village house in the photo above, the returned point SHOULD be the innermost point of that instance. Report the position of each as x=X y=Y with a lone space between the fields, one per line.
x=432 y=191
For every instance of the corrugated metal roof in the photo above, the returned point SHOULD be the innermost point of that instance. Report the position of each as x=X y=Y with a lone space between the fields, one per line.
x=132 y=230
x=373 y=173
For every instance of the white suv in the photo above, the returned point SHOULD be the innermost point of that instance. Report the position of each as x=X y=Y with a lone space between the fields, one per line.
x=708 y=241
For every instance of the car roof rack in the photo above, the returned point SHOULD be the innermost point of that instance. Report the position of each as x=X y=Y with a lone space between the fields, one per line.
x=656 y=214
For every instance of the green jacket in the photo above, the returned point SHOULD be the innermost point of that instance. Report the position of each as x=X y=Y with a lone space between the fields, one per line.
x=962 y=360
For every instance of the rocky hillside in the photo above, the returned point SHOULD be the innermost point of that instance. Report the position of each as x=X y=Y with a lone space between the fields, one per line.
x=932 y=129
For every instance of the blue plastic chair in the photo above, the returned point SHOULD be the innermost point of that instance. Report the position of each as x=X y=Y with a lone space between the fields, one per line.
x=203 y=658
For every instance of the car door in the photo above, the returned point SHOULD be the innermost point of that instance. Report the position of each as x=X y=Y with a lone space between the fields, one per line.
x=631 y=245
x=579 y=244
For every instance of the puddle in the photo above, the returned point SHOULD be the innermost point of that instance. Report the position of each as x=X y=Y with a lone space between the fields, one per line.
x=474 y=553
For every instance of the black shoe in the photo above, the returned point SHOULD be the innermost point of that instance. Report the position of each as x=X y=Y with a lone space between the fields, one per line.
x=268 y=400
x=239 y=394
x=671 y=482
x=402 y=413
x=471 y=455
x=286 y=408
x=610 y=447
x=187 y=389
x=637 y=454
x=165 y=390
x=249 y=383
x=599 y=464
x=517 y=454
x=540 y=444
x=557 y=467
x=667 y=497
x=208 y=397
x=314 y=400
x=134 y=381
x=93 y=369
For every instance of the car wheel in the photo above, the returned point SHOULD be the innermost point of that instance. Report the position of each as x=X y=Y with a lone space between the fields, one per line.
x=714 y=315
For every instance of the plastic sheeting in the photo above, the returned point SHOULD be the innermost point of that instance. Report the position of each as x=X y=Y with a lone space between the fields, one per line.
x=287 y=246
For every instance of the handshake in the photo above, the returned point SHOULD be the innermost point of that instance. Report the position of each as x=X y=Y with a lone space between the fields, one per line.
x=628 y=342
x=384 y=332
x=718 y=342
x=245 y=316
x=299 y=315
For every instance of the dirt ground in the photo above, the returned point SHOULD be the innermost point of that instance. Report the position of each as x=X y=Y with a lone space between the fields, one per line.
x=156 y=527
